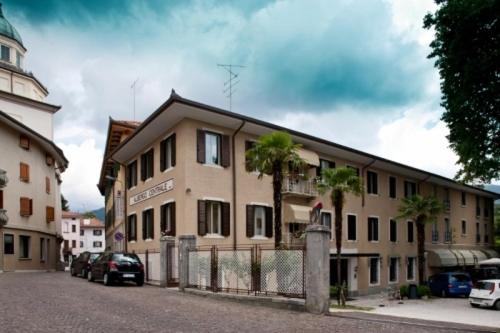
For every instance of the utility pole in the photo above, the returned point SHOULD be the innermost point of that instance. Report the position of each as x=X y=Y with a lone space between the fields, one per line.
x=133 y=88
x=231 y=82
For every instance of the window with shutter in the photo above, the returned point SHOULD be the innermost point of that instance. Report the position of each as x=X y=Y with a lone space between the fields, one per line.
x=1 y=199
x=393 y=231
x=167 y=219
x=225 y=151
x=24 y=172
x=47 y=185
x=326 y=220
x=26 y=206
x=250 y=230
x=226 y=219
x=202 y=218
x=259 y=221
x=24 y=142
x=324 y=164
x=200 y=146
x=147 y=165
x=50 y=215
x=373 y=229
x=410 y=189
x=372 y=182
x=148 y=224
x=132 y=174
x=167 y=153
x=351 y=227
x=269 y=222
x=132 y=227
x=212 y=147
x=392 y=187
x=49 y=160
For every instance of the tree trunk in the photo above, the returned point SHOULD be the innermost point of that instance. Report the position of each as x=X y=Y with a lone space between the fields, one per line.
x=338 y=203
x=421 y=250
x=277 y=185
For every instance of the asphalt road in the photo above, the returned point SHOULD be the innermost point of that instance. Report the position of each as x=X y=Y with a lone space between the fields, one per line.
x=56 y=302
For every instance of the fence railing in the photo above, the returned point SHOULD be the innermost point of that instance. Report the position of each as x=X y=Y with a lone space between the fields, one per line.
x=435 y=236
x=251 y=270
x=447 y=236
x=300 y=186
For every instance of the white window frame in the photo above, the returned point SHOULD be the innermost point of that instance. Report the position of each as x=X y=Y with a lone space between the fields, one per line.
x=210 y=222
x=28 y=238
x=262 y=211
x=389 y=270
x=378 y=228
x=347 y=228
x=332 y=227
x=218 y=148
x=370 y=271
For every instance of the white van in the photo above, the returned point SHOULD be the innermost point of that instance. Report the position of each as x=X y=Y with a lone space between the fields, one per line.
x=485 y=293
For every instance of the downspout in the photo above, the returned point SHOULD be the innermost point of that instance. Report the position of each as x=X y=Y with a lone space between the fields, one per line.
x=363 y=169
x=233 y=157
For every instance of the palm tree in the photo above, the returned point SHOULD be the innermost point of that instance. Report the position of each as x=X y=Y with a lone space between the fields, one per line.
x=272 y=155
x=422 y=210
x=339 y=181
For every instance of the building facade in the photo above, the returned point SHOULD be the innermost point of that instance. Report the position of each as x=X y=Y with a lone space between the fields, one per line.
x=70 y=231
x=186 y=174
x=92 y=236
x=30 y=164
x=112 y=185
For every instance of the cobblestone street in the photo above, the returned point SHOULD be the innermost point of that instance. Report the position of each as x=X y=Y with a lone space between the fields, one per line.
x=56 y=302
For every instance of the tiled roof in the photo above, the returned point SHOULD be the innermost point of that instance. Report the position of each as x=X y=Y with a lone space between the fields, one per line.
x=66 y=215
x=91 y=223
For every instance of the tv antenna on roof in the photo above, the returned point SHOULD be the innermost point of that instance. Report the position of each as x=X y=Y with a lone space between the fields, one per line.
x=231 y=83
x=133 y=86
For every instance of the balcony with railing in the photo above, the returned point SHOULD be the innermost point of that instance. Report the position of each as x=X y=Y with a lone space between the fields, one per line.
x=300 y=187
x=435 y=236
x=447 y=236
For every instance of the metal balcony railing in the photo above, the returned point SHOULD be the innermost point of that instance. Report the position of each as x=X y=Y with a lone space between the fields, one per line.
x=305 y=187
x=435 y=236
x=447 y=236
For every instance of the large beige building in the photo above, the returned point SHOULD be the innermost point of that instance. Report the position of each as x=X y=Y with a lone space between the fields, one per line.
x=186 y=175
x=30 y=164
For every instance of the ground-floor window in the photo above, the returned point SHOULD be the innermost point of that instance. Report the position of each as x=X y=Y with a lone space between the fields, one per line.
x=374 y=270
x=24 y=247
x=393 y=269
x=147 y=224
x=8 y=244
x=132 y=228
x=43 y=250
x=410 y=268
x=214 y=217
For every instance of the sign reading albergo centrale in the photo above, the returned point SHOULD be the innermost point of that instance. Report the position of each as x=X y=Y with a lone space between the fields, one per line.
x=166 y=186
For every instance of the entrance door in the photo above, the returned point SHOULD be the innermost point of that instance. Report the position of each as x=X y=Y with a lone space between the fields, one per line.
x=343 y=272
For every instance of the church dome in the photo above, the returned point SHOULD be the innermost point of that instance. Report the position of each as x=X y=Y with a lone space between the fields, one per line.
x=7 y=30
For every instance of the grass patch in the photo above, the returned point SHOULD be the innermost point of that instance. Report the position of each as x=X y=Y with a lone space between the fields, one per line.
x=351 y=307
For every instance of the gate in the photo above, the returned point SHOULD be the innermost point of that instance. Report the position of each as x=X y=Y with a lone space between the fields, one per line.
x=172 y=265
x=251 y=270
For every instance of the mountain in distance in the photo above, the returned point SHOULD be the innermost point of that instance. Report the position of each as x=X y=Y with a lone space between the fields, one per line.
x=99 y=213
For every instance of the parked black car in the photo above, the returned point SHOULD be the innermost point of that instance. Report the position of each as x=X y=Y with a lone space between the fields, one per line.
x=81 y=264
x=113 y=267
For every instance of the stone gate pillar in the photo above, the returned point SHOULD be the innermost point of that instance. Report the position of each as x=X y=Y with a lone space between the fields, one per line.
x=186 y=242
x=317 y=269
x=165 y=258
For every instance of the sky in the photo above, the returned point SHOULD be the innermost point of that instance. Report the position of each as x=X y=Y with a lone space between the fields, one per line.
x=351 y=71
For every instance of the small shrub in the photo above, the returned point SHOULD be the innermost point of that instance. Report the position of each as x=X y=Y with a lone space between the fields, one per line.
x=403 y=290
x=423 y=291
x=334 y=291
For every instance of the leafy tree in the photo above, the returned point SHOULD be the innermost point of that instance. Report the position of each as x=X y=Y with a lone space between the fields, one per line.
x=421 y=210
x=64 y=204
x=272 y=155
x=467 y=49
x=89 y=215
x=339 y=181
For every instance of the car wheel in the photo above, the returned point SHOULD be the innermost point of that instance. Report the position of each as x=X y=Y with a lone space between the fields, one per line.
x=497 y=305
x=90 y=278
x=106 y=279
x=140 y=283
x=474 y=305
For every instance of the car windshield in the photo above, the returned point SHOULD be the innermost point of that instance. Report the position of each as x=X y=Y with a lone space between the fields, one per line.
x=459 y=278
x=94 y=256
x=481 y=285
x=125 y=257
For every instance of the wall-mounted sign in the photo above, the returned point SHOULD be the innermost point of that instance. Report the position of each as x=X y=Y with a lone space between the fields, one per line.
x=166 y=186
x=119 y=205
x=119 y=236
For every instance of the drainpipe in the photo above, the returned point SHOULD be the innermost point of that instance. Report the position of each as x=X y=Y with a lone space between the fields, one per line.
x=233 y=156
x=363 y=179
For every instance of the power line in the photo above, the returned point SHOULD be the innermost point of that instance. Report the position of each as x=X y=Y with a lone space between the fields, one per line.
x=231 y=82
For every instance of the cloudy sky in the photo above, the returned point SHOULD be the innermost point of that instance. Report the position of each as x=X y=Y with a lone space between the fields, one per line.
x=351 y=71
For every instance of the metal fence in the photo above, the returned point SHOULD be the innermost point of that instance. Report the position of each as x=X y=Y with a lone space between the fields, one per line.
x=252 y=270
x=151 y=259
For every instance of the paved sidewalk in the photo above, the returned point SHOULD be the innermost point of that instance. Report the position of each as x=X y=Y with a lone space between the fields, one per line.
x=453 y=310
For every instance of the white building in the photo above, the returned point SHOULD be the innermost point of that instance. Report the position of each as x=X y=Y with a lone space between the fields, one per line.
x=70 y=230
x=92 y=236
